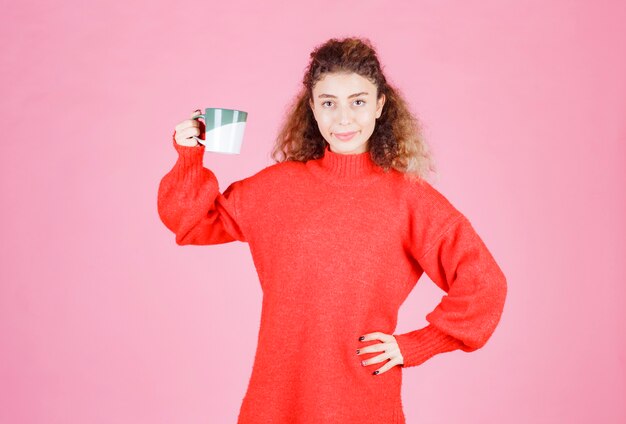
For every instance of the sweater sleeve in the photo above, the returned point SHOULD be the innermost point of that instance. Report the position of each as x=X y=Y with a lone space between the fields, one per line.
x=191 y=205
x=456 y=259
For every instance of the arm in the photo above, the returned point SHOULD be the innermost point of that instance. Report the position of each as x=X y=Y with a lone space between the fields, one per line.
x=456 y=259
x=190 y=204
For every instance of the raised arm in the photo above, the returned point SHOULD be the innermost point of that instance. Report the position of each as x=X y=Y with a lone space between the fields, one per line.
x=456 y=259
x=191 y=205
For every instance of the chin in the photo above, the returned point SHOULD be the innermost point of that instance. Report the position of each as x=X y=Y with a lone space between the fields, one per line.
x=348 y=147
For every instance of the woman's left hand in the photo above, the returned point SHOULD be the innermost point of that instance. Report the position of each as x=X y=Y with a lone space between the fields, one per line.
x=389 y=347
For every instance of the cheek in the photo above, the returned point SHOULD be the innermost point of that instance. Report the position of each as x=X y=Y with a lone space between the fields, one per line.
x=325 y=120
x=367 y=118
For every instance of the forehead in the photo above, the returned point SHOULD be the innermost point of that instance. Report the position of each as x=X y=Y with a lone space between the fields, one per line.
x=343 y=84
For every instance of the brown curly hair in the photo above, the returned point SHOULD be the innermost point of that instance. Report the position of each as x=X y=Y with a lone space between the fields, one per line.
x=396 y=141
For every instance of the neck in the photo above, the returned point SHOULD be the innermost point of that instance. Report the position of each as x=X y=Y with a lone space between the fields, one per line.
x=337 y=168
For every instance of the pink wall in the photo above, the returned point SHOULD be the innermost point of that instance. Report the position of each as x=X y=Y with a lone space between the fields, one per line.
x=104 y=319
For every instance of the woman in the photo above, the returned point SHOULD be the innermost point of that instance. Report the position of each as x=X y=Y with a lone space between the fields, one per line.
x=340 y=229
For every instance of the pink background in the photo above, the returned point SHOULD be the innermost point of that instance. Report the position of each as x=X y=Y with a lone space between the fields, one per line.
x=104 y=319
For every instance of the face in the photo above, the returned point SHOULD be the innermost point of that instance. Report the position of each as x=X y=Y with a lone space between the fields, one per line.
x=346 y=104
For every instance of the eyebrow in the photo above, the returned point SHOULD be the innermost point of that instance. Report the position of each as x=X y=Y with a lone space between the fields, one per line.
x=350 y=96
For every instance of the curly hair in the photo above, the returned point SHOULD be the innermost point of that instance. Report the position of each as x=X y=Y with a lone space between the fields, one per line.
x=397 y=140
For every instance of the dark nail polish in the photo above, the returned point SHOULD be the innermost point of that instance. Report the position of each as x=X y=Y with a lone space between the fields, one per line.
x=357 y=351
x=375 y=372
x=362 y=338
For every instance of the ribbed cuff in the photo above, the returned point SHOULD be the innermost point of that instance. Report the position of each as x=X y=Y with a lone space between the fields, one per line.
x=419 y=345
x=189 y=158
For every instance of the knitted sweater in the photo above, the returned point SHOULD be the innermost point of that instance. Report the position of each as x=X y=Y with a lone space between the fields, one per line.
x=338 y=245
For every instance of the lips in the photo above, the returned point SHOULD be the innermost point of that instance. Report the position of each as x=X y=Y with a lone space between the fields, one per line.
x=345 y=136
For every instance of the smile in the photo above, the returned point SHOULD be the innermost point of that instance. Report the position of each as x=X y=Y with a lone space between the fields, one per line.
x=345 y=136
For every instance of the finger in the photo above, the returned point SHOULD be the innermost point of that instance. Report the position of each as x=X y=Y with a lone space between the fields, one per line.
x=376 y=359
x=377 y=335
x=189 y=132
x=187 y=123
x=188 y=142
x=385 y=367
x=374 y=347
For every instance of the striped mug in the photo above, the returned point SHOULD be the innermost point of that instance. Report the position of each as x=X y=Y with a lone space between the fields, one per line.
x=224 y=129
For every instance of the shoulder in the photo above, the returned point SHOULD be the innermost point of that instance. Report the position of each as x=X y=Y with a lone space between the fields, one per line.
x=275 y=173
x=424 y=200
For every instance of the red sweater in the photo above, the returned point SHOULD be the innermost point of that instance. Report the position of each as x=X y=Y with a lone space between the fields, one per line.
x=338 y=245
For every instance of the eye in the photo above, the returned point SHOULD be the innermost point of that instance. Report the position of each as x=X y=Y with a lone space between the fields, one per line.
x=359 y=100
x=327 y=101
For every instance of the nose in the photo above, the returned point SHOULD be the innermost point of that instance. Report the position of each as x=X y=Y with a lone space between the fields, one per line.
x=345 y=116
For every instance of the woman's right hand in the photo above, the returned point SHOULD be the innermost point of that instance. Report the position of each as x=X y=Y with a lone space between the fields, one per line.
x=186 y=129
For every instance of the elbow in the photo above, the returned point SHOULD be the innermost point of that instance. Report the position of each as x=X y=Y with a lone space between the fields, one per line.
x=183 y=239
x=492 y=315
x=495 y=296
x=501 y=293
x=481 y=335
x=180 y=238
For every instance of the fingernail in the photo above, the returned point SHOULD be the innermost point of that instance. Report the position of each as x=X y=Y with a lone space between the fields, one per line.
x=375 y=372
x=362 y=338
x=357 y=351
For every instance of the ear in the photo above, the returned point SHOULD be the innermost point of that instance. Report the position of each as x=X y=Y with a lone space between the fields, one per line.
x=379 y=106
x=312 y=107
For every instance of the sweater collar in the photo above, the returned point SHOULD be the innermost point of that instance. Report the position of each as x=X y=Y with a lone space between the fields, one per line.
x=340 y=168
x=347 y=165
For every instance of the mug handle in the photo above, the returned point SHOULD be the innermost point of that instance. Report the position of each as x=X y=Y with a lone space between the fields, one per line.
x=198 y=139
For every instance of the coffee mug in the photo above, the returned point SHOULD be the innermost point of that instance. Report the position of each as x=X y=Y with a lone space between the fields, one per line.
x=224 y=129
